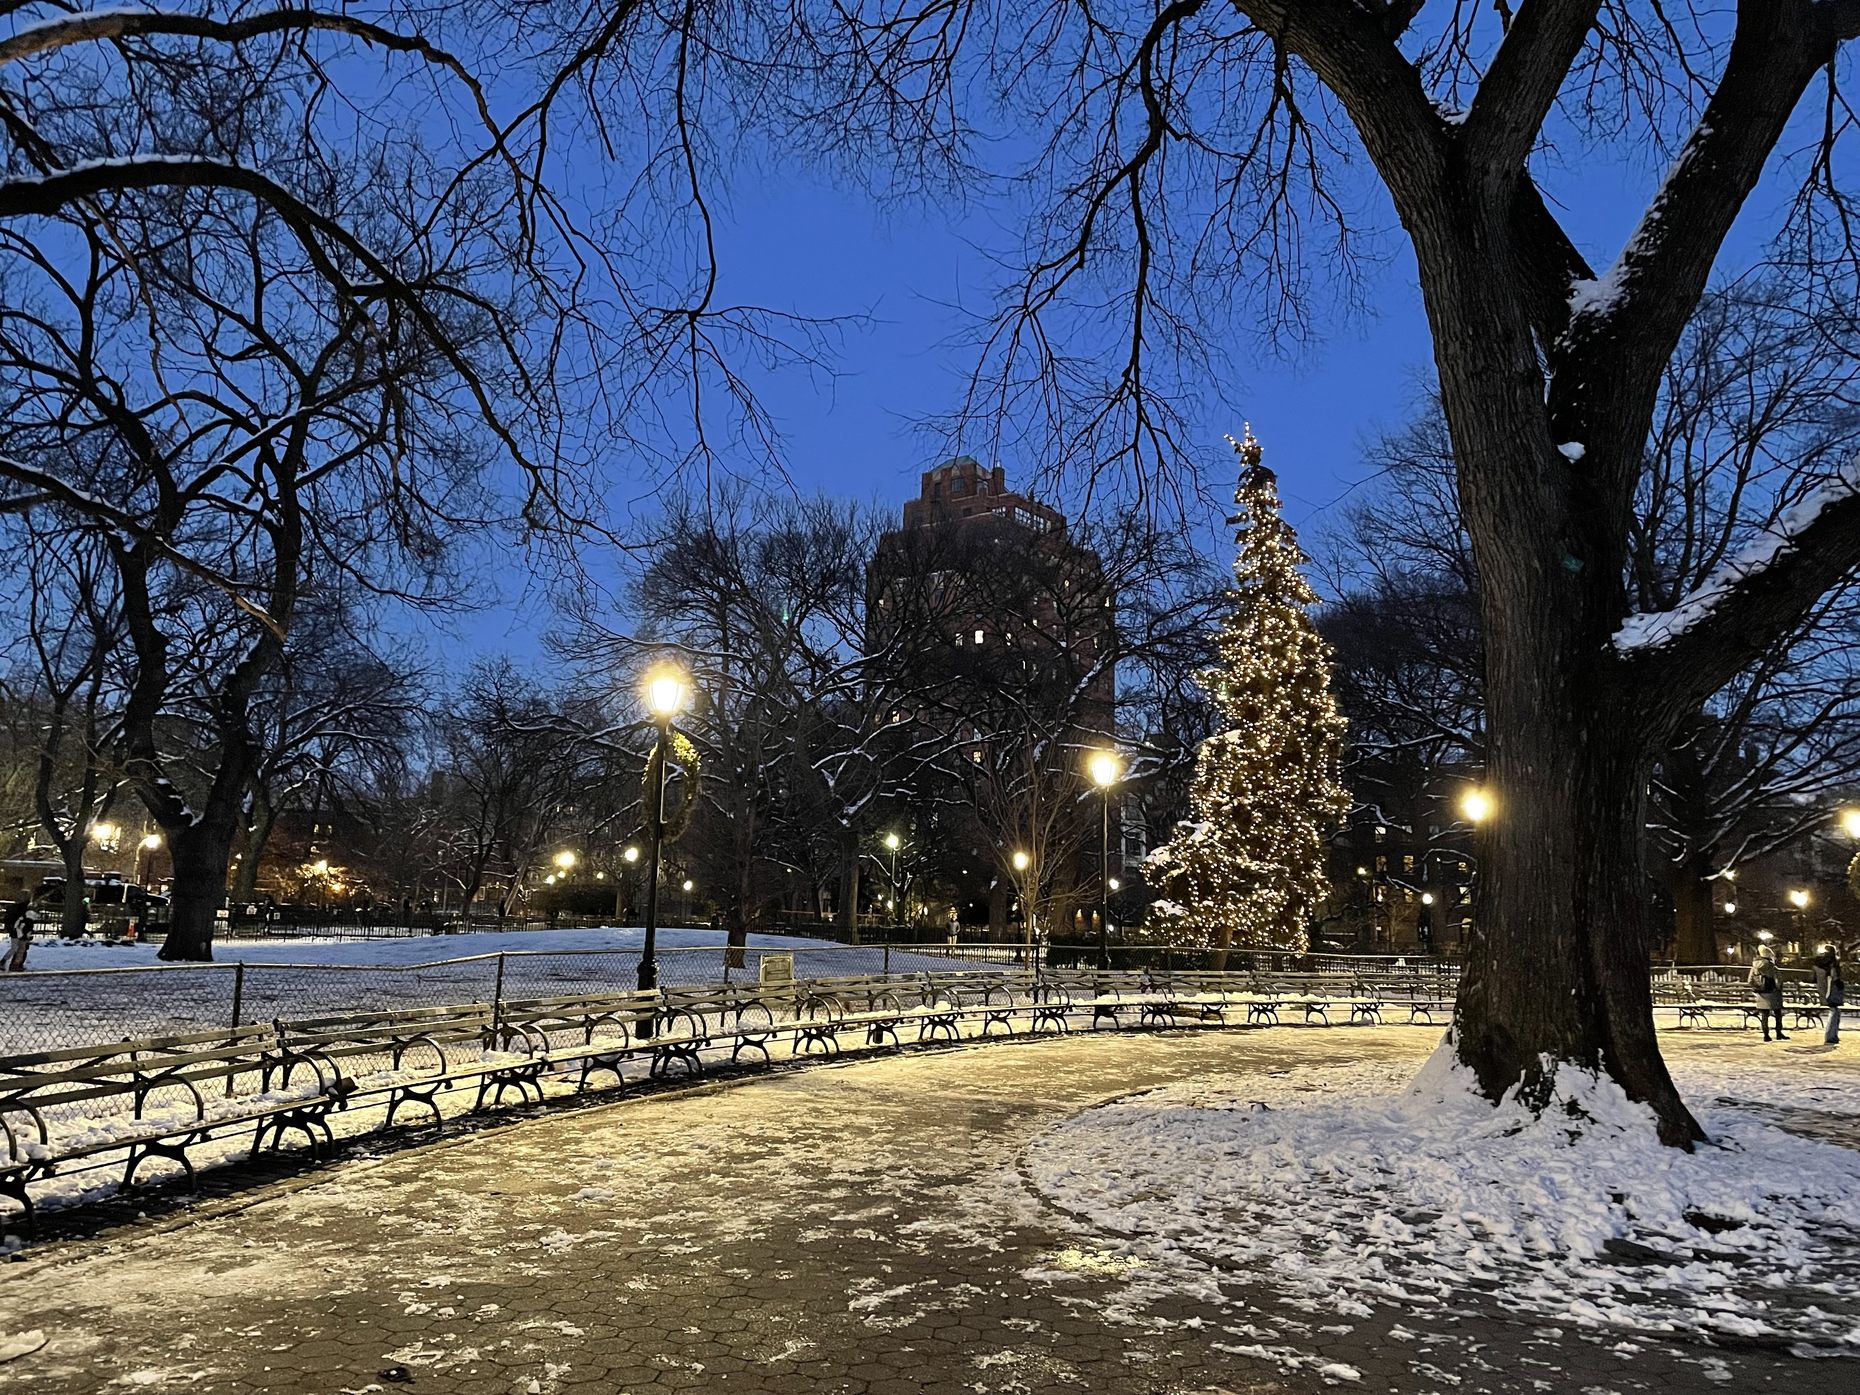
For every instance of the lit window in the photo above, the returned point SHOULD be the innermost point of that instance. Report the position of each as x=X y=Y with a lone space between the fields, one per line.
x=976 y=756
x=978 y=636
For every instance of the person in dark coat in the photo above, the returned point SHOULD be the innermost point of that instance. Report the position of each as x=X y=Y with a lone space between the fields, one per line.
x=18 y=936
x=1830 y=991
x=1766 y=983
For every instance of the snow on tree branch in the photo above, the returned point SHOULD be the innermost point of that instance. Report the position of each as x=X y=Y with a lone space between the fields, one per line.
x=1741 y=570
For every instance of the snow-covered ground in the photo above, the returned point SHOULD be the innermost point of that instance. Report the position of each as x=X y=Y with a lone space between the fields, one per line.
x=57 y=1003
x=1356 y=1184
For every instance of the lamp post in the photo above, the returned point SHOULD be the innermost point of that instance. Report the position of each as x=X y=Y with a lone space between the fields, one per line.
x=893 y=842
x=1799 y=899
x=1021 y=863
x=1105 y=768
x=629 y=859
x=148 y=845
x=666 y=686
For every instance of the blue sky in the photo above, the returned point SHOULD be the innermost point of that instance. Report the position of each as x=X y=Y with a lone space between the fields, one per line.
x=797 y=243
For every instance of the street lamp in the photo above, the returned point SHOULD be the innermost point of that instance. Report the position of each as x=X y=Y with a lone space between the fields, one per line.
x=321 y=868
x=1476 y=806
x=565 y=860
x=1799 y=899
x=1105 y=768
x=149 y=844
x=666 y=687
x=1730 y=908
x=1850 y=823
x=1021 y=863
x=893 y=842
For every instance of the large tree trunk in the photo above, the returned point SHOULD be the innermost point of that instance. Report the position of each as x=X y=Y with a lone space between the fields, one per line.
x=201 y=852
x=1557 y=970
x=1694 y=940
x=76 y=911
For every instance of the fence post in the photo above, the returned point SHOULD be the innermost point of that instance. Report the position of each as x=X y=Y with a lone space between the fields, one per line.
x=887 y=972
x=238 y=1002
x=497 y=994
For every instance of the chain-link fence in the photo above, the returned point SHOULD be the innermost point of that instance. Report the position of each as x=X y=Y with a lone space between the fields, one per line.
x=48 y=1009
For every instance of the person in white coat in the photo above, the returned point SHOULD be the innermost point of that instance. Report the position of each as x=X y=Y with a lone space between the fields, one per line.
x=1766 y=983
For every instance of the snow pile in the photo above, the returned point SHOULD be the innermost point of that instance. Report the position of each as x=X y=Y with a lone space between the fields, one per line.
x=1347 y=1191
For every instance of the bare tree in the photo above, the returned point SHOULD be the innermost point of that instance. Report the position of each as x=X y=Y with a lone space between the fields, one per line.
x=72 y=622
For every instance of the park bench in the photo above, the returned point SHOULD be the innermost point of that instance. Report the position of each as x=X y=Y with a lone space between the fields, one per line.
x=1165 y=997
x=35 y=1088
x=451 y=1046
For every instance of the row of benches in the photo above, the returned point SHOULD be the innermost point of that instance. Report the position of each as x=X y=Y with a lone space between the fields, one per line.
x=161 y=1097
x=287 y=1078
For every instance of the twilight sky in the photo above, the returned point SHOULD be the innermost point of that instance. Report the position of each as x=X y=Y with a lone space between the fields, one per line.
x=792 y=241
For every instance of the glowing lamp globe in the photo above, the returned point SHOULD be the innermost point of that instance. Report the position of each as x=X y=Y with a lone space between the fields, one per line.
x=666 y=686
x=1104 y=767
x=1850 y=822
x=1476 y=806
x=631 y=854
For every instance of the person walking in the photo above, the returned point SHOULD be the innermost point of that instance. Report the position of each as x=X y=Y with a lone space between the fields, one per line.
x=18 y=936
x=1766 y=983
x=1830 y=990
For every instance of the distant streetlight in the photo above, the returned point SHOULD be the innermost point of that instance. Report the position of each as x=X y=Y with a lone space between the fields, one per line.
x=549 y=880
x=665 y=690
x=320 y=867
x=1116 y=884
x=600 y=876
x=148 y=846
x=1799 y=899
x=893 y=842
x=1850 y=823
x=1476 y=806
x=1021 y=863
x=1730 y=908
x=565 y=859
x=1105 y=769
x=622 y=905
x=1765 y=936
x=689 y=885
x=1427 y=898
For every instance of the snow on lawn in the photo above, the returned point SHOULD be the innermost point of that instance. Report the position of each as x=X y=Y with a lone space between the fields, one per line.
x=53 y=1005
x=1347 y=1189
x=399 y=950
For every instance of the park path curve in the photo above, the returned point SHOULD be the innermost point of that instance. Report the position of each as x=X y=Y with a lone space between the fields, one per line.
x=854 y=1227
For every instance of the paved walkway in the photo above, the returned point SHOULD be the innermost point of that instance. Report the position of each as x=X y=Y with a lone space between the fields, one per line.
x=858 y=1227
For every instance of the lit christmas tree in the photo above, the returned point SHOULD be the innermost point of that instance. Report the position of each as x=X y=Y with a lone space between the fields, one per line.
x=1246 y=869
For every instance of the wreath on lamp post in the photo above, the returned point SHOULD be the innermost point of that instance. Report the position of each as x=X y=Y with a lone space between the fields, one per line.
x=685 y=756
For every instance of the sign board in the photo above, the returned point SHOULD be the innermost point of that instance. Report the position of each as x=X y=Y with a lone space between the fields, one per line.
x=777 y=968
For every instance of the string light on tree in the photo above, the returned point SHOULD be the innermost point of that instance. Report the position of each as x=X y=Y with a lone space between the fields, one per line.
x=1247 y=867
